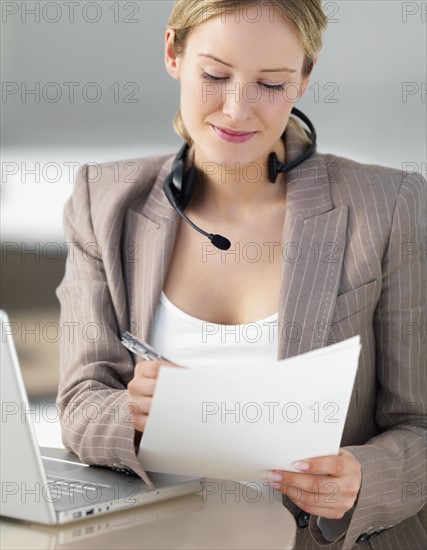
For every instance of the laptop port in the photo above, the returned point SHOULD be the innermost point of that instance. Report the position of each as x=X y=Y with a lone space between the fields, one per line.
x=77 y=515
x=90 y=512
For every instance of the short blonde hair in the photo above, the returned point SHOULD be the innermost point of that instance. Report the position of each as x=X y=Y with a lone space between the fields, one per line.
x=306 y=17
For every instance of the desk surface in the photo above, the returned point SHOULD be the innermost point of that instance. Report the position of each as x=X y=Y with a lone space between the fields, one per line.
x=226 y=514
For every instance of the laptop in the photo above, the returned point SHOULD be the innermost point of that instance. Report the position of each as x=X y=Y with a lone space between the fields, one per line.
x=52 y=486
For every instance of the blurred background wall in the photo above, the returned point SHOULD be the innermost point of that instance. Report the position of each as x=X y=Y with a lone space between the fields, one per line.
x=85 y=82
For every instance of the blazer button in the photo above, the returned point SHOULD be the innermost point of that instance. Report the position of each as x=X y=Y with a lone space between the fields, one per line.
x=303 y=519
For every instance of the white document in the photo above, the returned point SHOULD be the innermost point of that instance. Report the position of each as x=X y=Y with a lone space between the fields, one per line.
x=242 y=423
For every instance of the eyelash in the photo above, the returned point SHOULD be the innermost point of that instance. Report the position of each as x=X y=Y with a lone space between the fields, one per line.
x=207 y=76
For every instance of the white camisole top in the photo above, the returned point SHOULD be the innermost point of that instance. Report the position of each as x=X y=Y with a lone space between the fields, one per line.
x=194 y=343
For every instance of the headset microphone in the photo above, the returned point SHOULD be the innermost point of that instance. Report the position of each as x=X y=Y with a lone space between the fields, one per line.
x=179 y=187
x=217 y=240
x=172 y=187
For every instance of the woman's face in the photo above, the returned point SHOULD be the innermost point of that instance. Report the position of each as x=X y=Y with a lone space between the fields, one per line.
x=247 y=88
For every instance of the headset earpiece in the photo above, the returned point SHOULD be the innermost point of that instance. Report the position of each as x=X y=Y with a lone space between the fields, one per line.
x=188 y=183
x=274 y=164
x=179 y=186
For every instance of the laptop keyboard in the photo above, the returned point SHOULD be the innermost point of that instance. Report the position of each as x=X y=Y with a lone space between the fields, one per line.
x=116 y=468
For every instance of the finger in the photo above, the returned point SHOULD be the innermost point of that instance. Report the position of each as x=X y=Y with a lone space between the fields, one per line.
x=140 y=422
x=149 y=369
x=170 y=364
x=327 y=502
x=139 y=413
x=147 y=387
x=141 y=387
x=336 y=466
x=347 y=486
x=325 y=487
x=305 y=482
x=306 y=499
x=140 y=407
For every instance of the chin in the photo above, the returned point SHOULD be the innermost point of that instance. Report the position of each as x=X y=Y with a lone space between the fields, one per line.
x=227 y=153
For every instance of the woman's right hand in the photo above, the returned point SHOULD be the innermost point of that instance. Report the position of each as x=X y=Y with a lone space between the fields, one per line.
x=141 y=390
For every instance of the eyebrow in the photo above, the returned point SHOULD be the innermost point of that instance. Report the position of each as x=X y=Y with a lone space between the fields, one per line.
x=279 y=70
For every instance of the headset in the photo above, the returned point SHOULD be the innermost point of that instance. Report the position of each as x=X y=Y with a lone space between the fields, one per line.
x=179 y=187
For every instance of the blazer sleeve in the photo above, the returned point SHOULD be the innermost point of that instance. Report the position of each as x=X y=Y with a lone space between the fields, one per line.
x=94 y=367
x=394 y=462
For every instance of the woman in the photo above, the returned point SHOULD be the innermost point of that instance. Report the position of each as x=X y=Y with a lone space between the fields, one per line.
x=138 y=266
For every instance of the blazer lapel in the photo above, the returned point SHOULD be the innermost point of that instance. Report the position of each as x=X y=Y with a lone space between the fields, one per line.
x=313 y=242
x=149 y=239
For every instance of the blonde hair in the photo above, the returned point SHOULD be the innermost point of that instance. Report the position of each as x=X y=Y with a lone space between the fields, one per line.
x=306 y=17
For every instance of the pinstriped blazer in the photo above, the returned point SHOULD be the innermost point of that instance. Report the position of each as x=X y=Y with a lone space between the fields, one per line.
x=360 y=268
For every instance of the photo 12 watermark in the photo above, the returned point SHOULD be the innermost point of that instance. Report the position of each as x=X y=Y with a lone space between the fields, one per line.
x=90 y=412
x=71 y=12
x=65 y=172
x=269 y=251
x=54 y=252
x=251 y=412
x=70 y=492
x=254 y=11
x=70 y=92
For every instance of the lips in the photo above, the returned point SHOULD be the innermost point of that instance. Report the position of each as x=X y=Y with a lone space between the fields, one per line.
x=232 y=136
x=233 y=132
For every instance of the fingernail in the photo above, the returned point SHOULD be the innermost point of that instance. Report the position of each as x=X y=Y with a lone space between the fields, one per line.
x=302 y=466
x=274 y=477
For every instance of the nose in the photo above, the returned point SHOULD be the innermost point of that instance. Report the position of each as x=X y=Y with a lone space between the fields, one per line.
x=238 y=102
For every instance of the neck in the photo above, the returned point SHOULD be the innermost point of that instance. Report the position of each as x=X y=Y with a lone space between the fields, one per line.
x=235 y=194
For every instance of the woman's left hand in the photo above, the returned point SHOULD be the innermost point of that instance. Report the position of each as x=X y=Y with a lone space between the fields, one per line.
x=327 y=488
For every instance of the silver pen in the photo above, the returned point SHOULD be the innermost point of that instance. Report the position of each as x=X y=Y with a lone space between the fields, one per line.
x=140 y=348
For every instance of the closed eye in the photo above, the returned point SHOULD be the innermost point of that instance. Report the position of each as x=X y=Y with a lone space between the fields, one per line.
x=207 y=76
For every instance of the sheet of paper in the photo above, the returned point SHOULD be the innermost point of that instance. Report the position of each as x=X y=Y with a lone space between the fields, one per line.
x=242 y=423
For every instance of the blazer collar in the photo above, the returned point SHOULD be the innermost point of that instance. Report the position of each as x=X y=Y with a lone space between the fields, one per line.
x=313 y=242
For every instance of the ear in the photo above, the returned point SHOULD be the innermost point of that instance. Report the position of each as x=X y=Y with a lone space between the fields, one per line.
x=172 y=62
